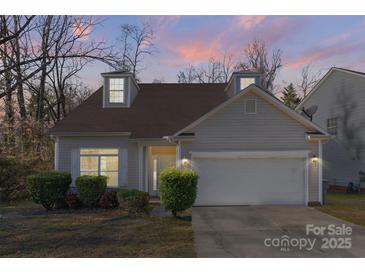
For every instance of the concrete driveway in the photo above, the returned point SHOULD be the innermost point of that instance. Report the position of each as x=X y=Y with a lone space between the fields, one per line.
x=274 y=231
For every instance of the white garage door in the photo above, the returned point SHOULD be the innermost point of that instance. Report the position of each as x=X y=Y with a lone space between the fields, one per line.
x=250 y=181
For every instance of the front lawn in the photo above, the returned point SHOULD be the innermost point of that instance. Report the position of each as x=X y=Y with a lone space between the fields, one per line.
x=349 y=207
x=27 y=230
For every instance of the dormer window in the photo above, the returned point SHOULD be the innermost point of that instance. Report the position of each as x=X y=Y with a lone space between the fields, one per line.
x=116 y=90
x=119 y=89
x=246 y=81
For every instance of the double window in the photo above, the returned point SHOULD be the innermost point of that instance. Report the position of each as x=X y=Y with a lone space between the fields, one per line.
x=100 y=162
x=116 y=90
x=332 y=126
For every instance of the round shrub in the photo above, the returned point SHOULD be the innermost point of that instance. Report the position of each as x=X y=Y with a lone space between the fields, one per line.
x=109 y=200
x=135 y=201
x=178 y=189
x=73 y=201
x=91 y=188
x=47 y=187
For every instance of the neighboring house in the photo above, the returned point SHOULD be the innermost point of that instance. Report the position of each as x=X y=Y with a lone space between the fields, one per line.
x=340 y=98
x=246 y=145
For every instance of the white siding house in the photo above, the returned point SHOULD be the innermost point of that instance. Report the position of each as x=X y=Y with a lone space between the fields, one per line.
x=340 y=98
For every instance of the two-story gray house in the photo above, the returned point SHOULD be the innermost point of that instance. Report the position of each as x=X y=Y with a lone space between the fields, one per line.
x=246 y=145
x=339 y=101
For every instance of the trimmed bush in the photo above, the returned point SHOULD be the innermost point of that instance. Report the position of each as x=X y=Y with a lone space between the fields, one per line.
x=47 y=187
x=178 y=189
x=91 y=188
x=135 y=201
x=109 y=200
x=73 y=201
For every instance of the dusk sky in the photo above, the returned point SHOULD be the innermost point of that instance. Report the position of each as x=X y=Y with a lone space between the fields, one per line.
x=323 y=41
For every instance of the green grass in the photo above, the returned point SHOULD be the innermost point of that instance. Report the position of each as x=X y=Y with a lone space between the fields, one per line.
x=26 y=230
x=349 y=207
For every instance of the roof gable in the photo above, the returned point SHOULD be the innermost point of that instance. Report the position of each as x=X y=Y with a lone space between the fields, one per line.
x=324 y=78
x=267 y=97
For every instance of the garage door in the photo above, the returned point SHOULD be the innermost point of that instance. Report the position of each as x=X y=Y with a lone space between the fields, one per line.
x=250 y=181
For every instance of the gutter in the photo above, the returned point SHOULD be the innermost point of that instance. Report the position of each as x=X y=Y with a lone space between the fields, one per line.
x=318 y=137
x=88 y=134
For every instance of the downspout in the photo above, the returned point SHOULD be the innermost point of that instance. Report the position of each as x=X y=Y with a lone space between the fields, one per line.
x=178 y=154
x=320 y=176
x=56 y=153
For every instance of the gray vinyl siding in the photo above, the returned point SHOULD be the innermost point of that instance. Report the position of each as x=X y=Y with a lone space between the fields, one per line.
x=339 y=90
x=133 y=91
x=270 y=129
x=68 y=156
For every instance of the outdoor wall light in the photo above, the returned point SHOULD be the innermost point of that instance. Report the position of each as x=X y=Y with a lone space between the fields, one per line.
x=185 y=163
x=314 y=160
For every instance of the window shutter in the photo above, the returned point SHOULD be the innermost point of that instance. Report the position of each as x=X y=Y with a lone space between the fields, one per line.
x=75 y=164
x=123 y=167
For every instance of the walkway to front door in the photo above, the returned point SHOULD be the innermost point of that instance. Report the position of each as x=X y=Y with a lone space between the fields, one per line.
x=160 y=157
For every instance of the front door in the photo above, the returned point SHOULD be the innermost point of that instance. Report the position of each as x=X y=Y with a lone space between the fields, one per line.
x=159 y=161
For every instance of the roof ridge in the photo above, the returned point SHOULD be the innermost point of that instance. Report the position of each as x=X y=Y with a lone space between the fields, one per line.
x=182 y=83
x=350 y=70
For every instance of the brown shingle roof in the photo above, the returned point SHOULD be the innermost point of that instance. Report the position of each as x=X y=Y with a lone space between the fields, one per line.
x=158 y=110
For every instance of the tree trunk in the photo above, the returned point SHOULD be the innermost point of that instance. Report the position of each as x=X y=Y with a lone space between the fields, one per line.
x=42 y=84
x=20 y=90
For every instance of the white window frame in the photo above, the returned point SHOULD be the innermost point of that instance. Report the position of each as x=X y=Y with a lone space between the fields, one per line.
x=246 y=101
x=332 y=125
x=122 y=91
x=99 y=155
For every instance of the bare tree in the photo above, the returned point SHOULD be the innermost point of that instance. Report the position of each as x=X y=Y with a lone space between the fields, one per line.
x=215 y=71
x=258 y=59
x=66 y=39
x=187 y=75
x=18 y=71
x=7 y=77
x=308 y=80
x=227 y=66
x=136 y=43
x=8 y=36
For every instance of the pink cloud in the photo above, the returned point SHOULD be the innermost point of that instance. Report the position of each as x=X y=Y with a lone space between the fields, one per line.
x=198 y=51
x=248 y=21
x=207 y=41
x=318 y=54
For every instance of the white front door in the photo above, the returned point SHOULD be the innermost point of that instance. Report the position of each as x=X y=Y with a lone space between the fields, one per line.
x=158 y=162
x=250 y=181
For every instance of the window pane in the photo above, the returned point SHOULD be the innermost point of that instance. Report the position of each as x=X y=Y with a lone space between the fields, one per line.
x=116 y=96
x=245 y=82
x=99 y=151
x=109 y=163
x=116 y=84
x=89 y=163
x=112 y=178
